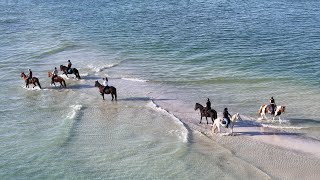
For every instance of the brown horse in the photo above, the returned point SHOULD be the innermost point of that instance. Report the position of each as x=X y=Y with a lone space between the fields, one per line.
x=212 y=113
x=266 y=109
x=73 y=71
x=58 y=79
x=33 y=80
x=111 y=90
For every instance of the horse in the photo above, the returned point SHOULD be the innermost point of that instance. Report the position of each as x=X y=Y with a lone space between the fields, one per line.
x=266 y=109
x=73 y=70
x=58 y=79
x=212 y=113
x=111 y=90
x=218 y=123
x=33 y=80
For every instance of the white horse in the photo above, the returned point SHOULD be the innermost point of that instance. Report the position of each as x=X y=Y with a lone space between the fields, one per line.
x=218 y=123
x=266 y=109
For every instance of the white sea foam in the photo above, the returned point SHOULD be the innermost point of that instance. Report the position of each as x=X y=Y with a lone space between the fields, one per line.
x=101 y=68
x=135 y=79
x=280 y=127
x=30 y=88
x=75 y=109
x=184 y=131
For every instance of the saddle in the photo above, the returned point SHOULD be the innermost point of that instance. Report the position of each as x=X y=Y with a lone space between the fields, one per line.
x=70 y=71
x=272 y=111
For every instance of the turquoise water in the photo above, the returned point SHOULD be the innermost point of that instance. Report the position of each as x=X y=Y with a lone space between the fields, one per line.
x=236 y=53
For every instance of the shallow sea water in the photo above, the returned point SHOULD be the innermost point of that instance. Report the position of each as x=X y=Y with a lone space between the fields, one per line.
x=162 y=57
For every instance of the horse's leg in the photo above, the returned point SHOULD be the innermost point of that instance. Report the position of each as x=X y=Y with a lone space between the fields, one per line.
x=280 y=121
x=207 y=119
x=102 y=94
x=34 y=84
x=112 y=96
x=200 y=119
x=231 y=128
x=213 y=128
x=218 y=126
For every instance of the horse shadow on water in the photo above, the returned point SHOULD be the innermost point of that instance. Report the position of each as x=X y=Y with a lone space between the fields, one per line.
x=144 y=99
x=250 y=124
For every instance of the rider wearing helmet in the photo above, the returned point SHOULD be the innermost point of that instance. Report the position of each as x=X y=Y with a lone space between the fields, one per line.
x=69 y=66
x=272 y=105
x=29 y=76
x=227 y=116
x=105 y=83
x=54 y=74
x=208 y=103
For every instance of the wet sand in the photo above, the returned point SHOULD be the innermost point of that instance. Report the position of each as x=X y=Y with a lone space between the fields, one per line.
x=279 y=154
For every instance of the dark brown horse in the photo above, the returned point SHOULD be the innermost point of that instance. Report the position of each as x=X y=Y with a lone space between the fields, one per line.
x=73 y=71
x=58 y=79
x=34 y=80
x=111 y=90
x=212 y=113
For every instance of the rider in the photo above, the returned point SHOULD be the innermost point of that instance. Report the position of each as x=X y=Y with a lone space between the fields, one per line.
x=272 y=105
x=69 y=66
x=208 y=103
x=29 y=76
x=227 y=116
x=54 y=74
x=105 y=83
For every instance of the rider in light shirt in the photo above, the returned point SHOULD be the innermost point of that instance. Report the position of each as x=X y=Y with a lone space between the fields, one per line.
x=54 y=74
x=105 y=83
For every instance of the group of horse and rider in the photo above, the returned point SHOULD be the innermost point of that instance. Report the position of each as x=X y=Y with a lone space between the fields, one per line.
x=225 y=121
x=30 y=79
x=103 y=89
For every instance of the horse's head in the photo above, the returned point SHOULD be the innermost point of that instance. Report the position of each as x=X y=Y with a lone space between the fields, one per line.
x=196 y=107
x=282 y=108
x=236 y=117
x=22 y=74
x=96 y=84
x=61 y=67
x=49 y=74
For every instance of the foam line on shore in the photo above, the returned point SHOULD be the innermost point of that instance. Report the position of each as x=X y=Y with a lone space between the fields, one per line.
x=184 y=133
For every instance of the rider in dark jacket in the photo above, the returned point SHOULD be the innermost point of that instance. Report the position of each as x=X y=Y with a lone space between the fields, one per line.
x=272 y=105
x=208 y=107
x=29 y=76
x=227 y=116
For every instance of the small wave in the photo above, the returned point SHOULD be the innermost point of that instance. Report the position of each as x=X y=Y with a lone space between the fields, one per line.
x=30 y=88
x=75 y=109
x=184 y=133
x=55 y=50
x=67 y=126
x=282 y=127
x=101 y=68
x=135 y=79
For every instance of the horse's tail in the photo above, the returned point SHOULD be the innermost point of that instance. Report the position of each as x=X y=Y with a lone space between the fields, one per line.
x=115 y=93
x=38 y=82
x=260 y=110
x=214 y=112
x=76 y=72
x=64 y=83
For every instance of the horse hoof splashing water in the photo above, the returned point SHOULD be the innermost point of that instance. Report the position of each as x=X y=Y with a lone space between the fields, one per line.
x=111 y=90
